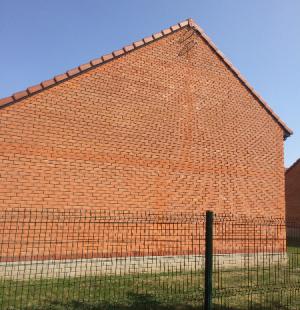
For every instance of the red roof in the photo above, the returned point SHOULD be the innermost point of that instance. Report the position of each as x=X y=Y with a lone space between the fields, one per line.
x=129 y=48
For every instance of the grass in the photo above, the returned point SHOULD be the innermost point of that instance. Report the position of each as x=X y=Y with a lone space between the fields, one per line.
x=131 y=291
x=263 y=287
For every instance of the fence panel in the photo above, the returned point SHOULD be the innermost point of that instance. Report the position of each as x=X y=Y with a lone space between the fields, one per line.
x=96 y=259
x=255 y=265
x=58 y=259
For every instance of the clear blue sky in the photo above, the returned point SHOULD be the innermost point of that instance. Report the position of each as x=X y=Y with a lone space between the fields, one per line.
x=40 y=39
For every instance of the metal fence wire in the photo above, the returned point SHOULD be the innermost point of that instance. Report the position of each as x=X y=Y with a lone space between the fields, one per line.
x=99 y=259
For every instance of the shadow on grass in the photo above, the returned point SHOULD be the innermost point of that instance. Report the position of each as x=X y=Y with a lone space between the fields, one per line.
x=142 y=302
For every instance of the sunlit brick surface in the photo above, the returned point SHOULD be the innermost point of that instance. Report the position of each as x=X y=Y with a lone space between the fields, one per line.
x=165 y=127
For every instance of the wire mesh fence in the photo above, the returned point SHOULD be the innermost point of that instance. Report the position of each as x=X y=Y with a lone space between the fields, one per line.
x=97 y=259
x=264 y=271
x=52 y=258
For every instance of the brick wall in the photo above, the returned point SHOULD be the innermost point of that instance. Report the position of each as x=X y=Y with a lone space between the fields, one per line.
x=59 y=234
x=167 y=126
x=292 y=190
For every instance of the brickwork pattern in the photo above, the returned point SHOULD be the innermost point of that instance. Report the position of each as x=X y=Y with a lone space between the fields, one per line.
x=35 y=236
x=70 y=252
x=167 y=127
x=292 y=190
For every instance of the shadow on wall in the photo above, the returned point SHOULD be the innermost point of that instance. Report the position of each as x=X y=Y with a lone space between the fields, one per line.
x=139 y=302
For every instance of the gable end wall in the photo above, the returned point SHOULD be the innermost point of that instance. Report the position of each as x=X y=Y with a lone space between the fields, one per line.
x=165 y=127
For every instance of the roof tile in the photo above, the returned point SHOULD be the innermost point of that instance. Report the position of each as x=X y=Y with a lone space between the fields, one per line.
x=73 y=71
x=96 y=61
x=60 y=77
x=85 y=66
x=138 y=43
x=191 y=22
x=107 y=57
x=20 y=94
x=33 y=89
x=184 y=23
x=166 y=31
x=48 y=83
x=148 y=39
x=6 y=100
x=175 y=27
x=128 y=48
x=118 y=52
x=157 y=35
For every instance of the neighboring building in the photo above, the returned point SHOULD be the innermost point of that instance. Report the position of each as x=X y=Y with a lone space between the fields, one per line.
x=166 y=123
x=292 y=192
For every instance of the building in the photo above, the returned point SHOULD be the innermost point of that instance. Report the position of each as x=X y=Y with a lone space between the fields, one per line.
x=164 y=124
x=292 y=192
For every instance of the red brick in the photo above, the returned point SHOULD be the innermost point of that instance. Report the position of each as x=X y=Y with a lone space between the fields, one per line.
x=163 y=128
x=292 y=193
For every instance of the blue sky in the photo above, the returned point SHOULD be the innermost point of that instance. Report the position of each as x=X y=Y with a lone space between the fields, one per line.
x=40 y=39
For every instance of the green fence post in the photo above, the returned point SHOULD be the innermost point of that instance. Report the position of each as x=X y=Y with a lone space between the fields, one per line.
x=208 y=260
